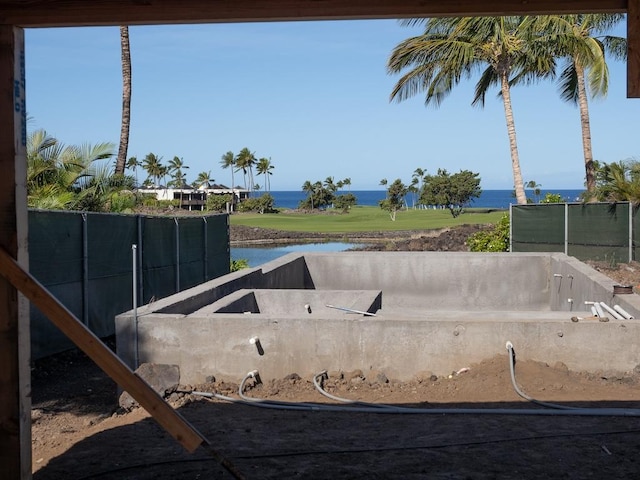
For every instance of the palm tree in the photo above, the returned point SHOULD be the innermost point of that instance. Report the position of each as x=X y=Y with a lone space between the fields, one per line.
x=203 y=180
x=454 y=48
x=586 y=71
x=175 y=170
x=126 y=100
x=307 y=187
x=154 y=168
x=347 y=182
x=69 y=177
x=416 y=180
x=533 y=185
x=264 y=167
x=228 y=160
x=330 y=185
x=133 y=164
x=245 y=160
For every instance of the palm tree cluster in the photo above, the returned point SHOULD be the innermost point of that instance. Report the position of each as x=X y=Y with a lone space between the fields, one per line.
x=618 y=181
x=175 y=169
x=72 y=177
x=323 y=194
x=508 y=51
x=245 y=161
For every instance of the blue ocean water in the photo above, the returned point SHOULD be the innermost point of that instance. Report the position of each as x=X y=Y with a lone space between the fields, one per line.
x=488 y=198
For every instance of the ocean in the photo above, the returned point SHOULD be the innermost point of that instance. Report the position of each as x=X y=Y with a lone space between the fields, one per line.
x=499 y=199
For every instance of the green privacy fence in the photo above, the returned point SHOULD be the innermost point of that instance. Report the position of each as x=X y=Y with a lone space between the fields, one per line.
x=587 y=231
x=86 y=261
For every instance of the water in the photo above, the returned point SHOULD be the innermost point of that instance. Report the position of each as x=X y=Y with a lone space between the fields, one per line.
x=488 y=198
x=256 y=256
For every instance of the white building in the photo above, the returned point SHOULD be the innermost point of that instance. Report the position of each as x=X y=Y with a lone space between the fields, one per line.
x=194 y=198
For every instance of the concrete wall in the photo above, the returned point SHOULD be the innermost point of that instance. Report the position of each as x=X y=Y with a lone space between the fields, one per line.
x=440 y=281
x=440 y=312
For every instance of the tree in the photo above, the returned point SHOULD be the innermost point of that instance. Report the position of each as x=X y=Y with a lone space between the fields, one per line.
x=70 y=177
x=585 y=72
x=133 y=164
x=126 y=100
x=319 y=195
x=308 y=188
x=416 y=181
x=176 y=164
x=228 y=160
x=152 y=164
x=395 y=198
x=618 y=181
x=347 y=182
x=451 y=191
x=450 y=49
x=531 y=184
x=203 y=180
x=264 y=167
x=245 y=160
x=345 y=201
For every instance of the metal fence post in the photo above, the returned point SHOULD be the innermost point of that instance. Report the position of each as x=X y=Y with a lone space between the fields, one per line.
x=85 y=270
x=566 y=228
x=175 y=219
x=134 y=270
x=630 y=232
x=205 y=260
x=511 y=227
x=140 y=285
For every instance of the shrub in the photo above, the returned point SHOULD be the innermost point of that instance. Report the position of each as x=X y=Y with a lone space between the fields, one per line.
x=494 y=240
x=218 y=203
x=262 y=204
x=552 y=198
x=238 y=264
x=344 y=202
x=122 y=202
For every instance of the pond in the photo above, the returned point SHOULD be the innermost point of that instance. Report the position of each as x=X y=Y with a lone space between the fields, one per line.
x=258 y=255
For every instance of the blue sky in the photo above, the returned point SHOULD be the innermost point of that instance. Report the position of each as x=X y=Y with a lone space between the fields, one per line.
x=312 y=96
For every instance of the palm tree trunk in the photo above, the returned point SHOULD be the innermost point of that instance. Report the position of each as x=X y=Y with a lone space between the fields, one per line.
x=126 y=100
x=518 y=184
x=590 y=174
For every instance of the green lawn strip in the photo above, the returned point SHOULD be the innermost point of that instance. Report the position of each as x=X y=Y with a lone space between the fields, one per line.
x=364 y=219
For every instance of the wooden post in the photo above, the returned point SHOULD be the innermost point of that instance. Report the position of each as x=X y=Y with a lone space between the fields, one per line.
x=633 y=42
x=15 y=405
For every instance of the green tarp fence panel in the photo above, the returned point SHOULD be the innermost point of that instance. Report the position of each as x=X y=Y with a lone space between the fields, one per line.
x=536 y=229
x=587 y=231
x=56 y=261
x=86 y=261
x=599 y=231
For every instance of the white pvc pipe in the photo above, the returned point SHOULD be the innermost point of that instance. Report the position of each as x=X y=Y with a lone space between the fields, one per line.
x=594 y=312
x=615 y=314
x=623 y=312
x=599 y=309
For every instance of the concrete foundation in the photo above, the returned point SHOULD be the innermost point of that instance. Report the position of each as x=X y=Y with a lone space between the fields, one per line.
x=432 y=311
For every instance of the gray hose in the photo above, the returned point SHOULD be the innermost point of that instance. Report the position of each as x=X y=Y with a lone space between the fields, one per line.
x=512 y=364
x=361 y=407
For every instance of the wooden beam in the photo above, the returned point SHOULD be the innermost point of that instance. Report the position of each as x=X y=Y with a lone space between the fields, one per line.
x=62 y=318
x=45 y=13
x=633 y=45
x=161 y=411
x=15 y=406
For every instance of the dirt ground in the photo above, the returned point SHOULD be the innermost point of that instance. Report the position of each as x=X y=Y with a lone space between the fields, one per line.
x=79 y=432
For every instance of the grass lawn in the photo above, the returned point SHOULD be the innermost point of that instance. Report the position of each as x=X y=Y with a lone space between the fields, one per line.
x=364 y=219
